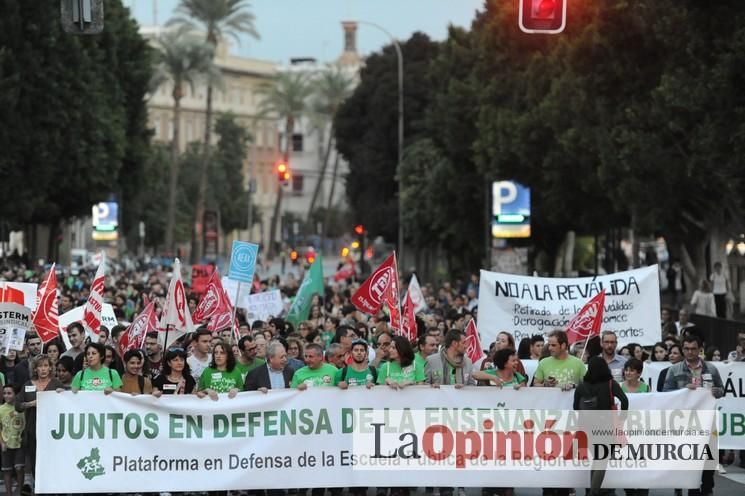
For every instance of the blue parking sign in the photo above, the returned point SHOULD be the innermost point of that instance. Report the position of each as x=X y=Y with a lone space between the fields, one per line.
x=243 y=261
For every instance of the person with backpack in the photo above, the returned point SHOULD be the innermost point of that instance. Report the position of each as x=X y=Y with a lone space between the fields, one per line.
x=359 y=372
x=96 y=376
x=598 y=391
x=133 y=381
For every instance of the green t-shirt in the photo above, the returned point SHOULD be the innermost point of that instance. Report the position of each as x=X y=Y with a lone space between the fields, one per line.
x=245 y=368
x=221 y=381
x=418 y=358
x=517 y=378
x=413 y=372
x=568 y=371
x=323 y=376
x=353 y=377
x=12 y=424
x=643 y=388
x=97 y=380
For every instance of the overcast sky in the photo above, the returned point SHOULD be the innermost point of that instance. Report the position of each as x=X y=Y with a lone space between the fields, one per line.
x=311 y=28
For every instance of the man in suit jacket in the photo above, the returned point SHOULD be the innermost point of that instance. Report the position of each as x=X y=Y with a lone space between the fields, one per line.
x=274 y=375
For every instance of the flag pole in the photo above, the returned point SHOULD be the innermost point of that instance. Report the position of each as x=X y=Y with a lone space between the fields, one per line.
x=235 y=306
x=398 y=296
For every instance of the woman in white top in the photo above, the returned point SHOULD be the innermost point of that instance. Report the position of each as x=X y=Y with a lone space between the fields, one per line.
x=702 y=302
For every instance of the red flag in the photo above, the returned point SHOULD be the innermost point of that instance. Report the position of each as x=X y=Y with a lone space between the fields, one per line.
x=588 y=321
x=212 y=301
x=94 y=305
x=176 y=319
x=134 y=337
x=46 y=316
x=200 y=277
x=408 y=326
x=11 y=295
x=474 y=349
x=393 y=297
x=372 y=294
x=223 y=318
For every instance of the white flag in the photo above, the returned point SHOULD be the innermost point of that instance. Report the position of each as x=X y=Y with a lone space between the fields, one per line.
x=176 y=318
x=94 y=305
x=417 y=297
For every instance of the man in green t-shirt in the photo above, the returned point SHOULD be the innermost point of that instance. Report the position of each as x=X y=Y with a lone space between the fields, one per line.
x=426 y=346
x=248 y=360
x=316 y=373
x=358 y=373
x=560 y=369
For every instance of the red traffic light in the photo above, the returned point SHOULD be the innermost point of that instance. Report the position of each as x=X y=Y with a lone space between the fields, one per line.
x=283 y=172
x=542 y=16
x=359 y=229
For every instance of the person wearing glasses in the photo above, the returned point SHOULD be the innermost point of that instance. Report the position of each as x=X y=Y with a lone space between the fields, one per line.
x=694 y=373
x=382 y=353
x=248 y=360
x=176 y=377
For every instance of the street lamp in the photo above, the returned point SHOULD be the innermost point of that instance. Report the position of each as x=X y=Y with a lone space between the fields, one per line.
x=400 y=56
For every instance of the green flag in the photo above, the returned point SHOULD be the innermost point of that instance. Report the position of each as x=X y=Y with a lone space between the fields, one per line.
x=312 y=284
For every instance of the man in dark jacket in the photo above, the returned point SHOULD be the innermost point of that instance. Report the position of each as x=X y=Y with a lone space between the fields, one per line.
x=274 y=375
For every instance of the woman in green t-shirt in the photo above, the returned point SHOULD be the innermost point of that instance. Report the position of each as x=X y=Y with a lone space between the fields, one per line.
x=632 y=373
x=401 y=370
x=505 y=373
x=221 y=376
x=96 y=376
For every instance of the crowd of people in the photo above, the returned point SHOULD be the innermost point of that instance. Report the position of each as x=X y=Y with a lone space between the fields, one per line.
x=336 y=346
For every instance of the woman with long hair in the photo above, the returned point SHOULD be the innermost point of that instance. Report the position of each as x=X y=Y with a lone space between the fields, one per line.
x=659 y=352
x=96 y=376
x=675 y=355
x=42 y=379
x=64 y=369
x=176 y=376
x=401 y=369
x=221 y=376
x=598 y=391
x=133 y=379
x=54 y=350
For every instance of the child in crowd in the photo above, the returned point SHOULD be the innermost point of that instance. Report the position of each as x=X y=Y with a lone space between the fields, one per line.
x=11 y=433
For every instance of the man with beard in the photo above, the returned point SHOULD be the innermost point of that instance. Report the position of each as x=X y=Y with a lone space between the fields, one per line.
x=450 y=365
x=154 y=354
x=359 y=372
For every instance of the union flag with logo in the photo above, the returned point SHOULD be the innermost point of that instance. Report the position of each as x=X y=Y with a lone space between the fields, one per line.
x=588 y=321
x=369 y=298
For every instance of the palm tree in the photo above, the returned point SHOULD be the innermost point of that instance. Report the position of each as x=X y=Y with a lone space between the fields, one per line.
x=286 y=98
x=218 y=18
x=180 y=60
x=332 y=87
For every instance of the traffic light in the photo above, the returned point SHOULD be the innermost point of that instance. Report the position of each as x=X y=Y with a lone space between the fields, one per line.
x=543 y=16
x=283 y=172
x=294 y=256
x=359 y=229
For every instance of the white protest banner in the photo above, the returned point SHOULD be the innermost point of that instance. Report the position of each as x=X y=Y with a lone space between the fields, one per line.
x=27 y=289
x=523 y=305
x=231 y=287
x=108 y=319
x=731 y=406
x=289 y=437
x=15 y=320
x=261 y=306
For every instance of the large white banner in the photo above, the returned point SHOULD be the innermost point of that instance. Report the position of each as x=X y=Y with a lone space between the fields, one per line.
x=731 y=406
x=524 y=305
x=288 y=438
